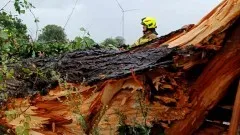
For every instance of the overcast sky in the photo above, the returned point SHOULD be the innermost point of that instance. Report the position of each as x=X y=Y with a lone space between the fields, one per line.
x=103 y=18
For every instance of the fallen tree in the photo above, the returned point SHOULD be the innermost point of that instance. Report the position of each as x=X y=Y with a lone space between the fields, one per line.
x=151 y=85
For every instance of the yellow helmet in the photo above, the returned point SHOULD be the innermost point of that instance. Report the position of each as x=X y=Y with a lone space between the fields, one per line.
x=149 y=22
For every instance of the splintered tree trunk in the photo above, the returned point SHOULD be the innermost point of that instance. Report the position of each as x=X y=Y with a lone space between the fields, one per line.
x=212 y=84
x=145 y=85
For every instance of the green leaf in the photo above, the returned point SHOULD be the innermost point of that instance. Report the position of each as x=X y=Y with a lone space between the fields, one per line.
x=26 y=125
x=25 y=2
x=1 y=77
x=28 y=118
x=7 y=47
x=82 y=122
x=3 y=35
x=11 y=71
x=22 y=11
x=9 y=74
x=26 y=132
x=19 y=130
x=1 y=88
x=26 y=70
x=82 y=29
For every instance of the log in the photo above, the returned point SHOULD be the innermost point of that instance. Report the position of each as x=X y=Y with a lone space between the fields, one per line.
x=147 y=85
x=93 y=66
x=212 y=84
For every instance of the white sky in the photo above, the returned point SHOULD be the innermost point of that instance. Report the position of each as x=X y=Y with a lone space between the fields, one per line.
x=102 y=18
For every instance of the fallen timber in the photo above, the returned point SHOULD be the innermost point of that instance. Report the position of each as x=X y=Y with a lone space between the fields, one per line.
x=171 y=86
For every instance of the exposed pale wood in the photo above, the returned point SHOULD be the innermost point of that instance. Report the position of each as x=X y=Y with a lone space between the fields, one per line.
x=212 y=84
x=60 y=109
x=215 y=22
x=235 y=121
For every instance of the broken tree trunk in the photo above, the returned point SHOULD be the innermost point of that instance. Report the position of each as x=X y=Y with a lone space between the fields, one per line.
x=145 y=86
x=212 y=84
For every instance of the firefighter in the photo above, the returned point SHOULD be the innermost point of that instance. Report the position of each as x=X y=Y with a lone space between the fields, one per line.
x=149 y=31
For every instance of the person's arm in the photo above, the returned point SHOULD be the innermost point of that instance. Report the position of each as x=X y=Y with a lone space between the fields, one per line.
x=136 y=43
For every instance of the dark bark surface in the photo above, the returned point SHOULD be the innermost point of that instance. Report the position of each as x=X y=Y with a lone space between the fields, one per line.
x=89 y=66
x=95 y=65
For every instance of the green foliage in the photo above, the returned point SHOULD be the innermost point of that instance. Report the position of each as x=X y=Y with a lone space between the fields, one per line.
x=25 y=127
x=11 y=115
x=75 y=101
x=139 y=127
x=3 y=35
x=110 y=43
x=113 y=43
x=49 y=49
x=82 y=42
x=120 y=40
x=81 y=120
x=12 y=25
x=54 y=48
x=14 y=43
x=96 y=131
x=21 y=5
x=13 y=36
x=22 y=129
x=52 y=33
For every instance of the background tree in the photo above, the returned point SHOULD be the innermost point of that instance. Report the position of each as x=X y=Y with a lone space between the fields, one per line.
x=83 y=42
x=52 y=33
x=113 y=43
x=120 y=40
